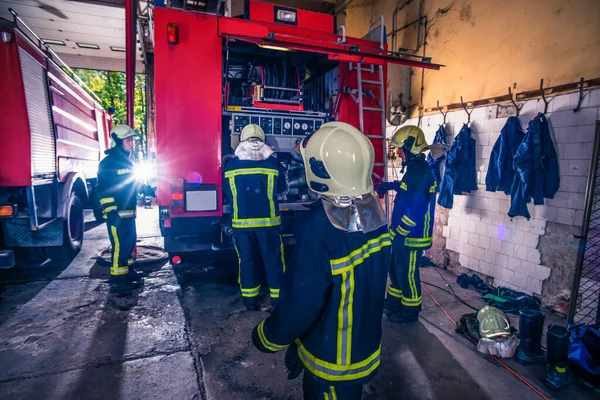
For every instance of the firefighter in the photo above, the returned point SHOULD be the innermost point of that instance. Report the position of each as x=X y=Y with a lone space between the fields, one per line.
x=332 y=294
x=253 y=179
x=117 y=189
x=412 y=223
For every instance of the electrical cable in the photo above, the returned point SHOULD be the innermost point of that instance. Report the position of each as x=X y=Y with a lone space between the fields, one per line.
x=452 y=294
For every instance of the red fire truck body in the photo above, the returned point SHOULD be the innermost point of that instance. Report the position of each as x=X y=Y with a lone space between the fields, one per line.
x=282 y=68
x=52 y=136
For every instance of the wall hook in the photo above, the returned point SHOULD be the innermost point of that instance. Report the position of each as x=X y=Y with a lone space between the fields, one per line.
x=467 y=111
x=441 y=112
x=544 y=96
x=514 y=102
x=580 y=96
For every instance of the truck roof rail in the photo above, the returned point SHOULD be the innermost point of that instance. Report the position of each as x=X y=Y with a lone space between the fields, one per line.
x=45 y=47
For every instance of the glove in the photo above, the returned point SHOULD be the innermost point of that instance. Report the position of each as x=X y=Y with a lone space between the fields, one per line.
x=113 y=218
x=292 y=361
x=384 y=187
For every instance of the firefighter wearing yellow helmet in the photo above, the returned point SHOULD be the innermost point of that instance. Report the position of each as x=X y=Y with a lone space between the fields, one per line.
x=337 y=272
x=117 y=190
x=412 y=223
x=254 y=177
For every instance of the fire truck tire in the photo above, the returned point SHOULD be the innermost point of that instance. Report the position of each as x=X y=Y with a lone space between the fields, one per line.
x=73 y=231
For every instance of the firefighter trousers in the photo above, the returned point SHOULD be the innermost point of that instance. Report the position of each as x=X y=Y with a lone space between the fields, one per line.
x=317 y=390
x=252 y=248
x=404 y=293
x=122 y=239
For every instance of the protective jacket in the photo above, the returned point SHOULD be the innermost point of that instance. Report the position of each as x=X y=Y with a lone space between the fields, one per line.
x=251 y=187
x=436 y=163
x=117 y=187
x=414 y=205
x=501 y=173
x=536 y=166
x=461 y=173
x=331 y=300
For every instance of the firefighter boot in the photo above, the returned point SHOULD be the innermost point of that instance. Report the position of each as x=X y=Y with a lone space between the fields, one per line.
x=121 y=285
x=402 y=316
x=531 y=325
x=558 y=374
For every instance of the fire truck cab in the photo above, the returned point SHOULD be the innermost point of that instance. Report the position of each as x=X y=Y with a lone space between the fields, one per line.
x=285 y=69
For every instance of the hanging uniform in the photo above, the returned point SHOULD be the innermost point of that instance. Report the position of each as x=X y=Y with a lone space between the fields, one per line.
x=251 y=187
x=461 y=171
x=331 y=306
x=536 y=166
x=117 y=189
x=501 y=173
x=412 y=232
x=436 y=163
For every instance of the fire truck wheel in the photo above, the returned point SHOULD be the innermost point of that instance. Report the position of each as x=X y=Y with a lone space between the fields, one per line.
x=73 y=231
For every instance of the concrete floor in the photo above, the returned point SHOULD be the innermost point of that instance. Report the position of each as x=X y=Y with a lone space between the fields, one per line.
x=186 y=335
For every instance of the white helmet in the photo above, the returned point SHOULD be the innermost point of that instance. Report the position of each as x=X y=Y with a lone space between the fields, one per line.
x=338 y=160
x=120 y=132
x=252 y=131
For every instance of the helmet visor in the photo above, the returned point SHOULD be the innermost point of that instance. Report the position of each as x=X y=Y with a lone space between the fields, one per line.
x=355 y=214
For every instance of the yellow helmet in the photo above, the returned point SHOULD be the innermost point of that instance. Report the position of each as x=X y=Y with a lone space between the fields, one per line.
x=121 y=132
x=252 y=131
x=338 y=160
x=411 y=138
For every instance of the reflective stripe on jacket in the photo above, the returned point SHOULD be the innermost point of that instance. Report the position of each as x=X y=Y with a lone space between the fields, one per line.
x=414 y=205
x=331 y=300
x=117 y=187
x=251 y=187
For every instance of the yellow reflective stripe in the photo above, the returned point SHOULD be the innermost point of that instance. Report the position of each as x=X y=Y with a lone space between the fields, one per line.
x=403 y=186
x=116 y=247
x=392 y=234
x=358 y=256
x=418 y=242
x=412 y=302
x=233 y=196
x=123 y=171
x=402 y=231
x=126 y=214
x=274 y=293
x=253 y=292
x=411 y=273
x=107 y=200
x=109 y=209
x=333 y=372
x=251 y=171
x=333 y=393
x=560 y=370
x=345 y=319
x=326 y=395
x=265 y=342
x=239 y=281
x=119 y=270
x=270 y=190
x=130 y=261
x=394 y=292
x=340 y=327
x=427 y=221
x=255 y=222
x=408 y=221
x=433 y=188
x=282 y=249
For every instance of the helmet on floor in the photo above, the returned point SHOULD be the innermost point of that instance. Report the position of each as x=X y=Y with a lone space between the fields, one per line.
x=338 y=160
x=492 y=322
x=252 y=131
x=410 y=138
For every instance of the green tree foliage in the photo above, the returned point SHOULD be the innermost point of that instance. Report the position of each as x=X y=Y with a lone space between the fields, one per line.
x=110 y=88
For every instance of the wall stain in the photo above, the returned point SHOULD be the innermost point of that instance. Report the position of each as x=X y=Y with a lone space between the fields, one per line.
x=465 y=13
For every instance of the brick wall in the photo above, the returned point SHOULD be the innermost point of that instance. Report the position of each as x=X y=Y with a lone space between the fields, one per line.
x=489 y=242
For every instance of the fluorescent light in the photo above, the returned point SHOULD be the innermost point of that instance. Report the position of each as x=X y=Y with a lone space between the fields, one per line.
x=266 y=46
x=54 y=42
x=88 y=46
x=117 y=48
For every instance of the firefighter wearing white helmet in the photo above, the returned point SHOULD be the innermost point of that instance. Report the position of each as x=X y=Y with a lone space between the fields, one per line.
x=254 y=177
x=117 y=190
x=412 y=223
x=337 y=272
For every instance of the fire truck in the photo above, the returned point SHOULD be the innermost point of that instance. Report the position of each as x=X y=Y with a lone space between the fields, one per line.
x=53 y=134
x=286 y=69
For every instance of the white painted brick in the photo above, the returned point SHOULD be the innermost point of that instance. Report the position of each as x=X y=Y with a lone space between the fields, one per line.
x=560 y=103
x=464 y=236
x=528 y=268
x=574 y=151
x=508 y=248
x=460 y=247
x=495 y=272
x=576 y=202
x=587 y=116
x=451 y=244
x=520 y=280
x=497 y=218
x=473 y=264
x=587 y=152
x=470 y=227
x=485 y=268
x=514 y=264
x=484 y=242
x=507 y=275
x=566 y=216
x=473 y=239
x=521 y=252
x=504 y=205
x=455 y=233
x=578 y=167
x=478 y=253
x=542 y=272
x=490 y=256
x=574 y=100
x=531 y=240
x=529 y=107
x=503 y=233
x=537 y=226
x=446 y=231
x=495 y=245
x=481 y=228
x=486 y=218
x=570 y=185
x=586 y=133
x=453 y=222
x=463 y=259
x=499 y=124
x=594 y=99
x=492 y=231
x=534 y=256
x=502 y=260
x=562 y=119
x=469 y=249
x=564 y=135
x=578 y=218
x=523 y=224
x=582 y=185
x=547 y=213
x=493 y=205
x=534 y=285
x=517 y=237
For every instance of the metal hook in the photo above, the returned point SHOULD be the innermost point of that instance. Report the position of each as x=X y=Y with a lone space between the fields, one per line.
x=513 y=101
x=441 y=112
x=580 y=96
x=465 y=108
x=544 y=96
